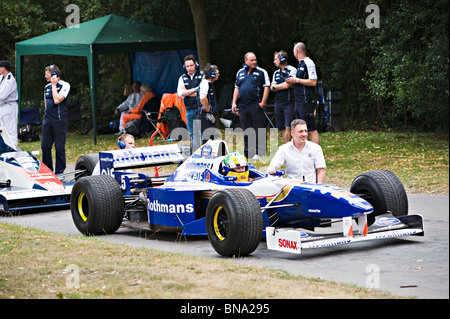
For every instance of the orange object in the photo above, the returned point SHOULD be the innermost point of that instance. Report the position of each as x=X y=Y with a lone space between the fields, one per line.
x=136 y=113
x=168 y=101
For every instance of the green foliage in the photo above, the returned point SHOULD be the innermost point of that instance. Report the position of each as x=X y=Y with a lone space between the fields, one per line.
x=391 y=77
x=410 y=65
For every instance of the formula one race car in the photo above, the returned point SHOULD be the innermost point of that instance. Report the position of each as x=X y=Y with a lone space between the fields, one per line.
x=200 y=198
x=26 y=183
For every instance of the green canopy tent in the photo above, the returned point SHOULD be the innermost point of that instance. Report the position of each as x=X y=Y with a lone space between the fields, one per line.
x=106 y=35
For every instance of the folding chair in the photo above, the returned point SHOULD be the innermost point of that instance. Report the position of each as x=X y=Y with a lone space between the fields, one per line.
x=150 y=113
x=270 y=115
x=30 y=119
x=172 y=114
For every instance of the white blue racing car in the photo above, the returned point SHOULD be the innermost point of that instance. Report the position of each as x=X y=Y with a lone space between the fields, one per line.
x=26 y=184
x=235 y=210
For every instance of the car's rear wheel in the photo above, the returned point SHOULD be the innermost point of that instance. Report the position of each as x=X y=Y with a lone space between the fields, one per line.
x=383 y=190
x=234 y=222
x=97 y=205
x=87 y=163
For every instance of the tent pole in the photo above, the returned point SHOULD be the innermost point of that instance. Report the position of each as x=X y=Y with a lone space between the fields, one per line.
x=93 y=69
x=19 y=62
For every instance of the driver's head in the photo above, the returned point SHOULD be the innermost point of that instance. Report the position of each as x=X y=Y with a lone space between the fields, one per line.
x=237 y=165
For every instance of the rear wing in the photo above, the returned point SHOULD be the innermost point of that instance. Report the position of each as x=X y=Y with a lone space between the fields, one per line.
x=110 y=161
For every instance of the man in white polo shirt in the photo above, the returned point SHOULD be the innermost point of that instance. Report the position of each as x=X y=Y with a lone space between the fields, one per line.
x=304 y=159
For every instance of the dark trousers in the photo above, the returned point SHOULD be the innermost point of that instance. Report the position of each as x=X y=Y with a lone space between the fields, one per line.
x=204 y=124
x=306 y=112
x=54 y=132
x=253 y=117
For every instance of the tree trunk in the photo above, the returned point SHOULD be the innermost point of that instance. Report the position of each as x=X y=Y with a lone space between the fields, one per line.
x=201 y=31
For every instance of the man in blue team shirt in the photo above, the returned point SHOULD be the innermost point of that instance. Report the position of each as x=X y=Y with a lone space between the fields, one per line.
x=284 y=102
x=252 y=90
x=187 y=89
x=54 y=127
x=305 y=87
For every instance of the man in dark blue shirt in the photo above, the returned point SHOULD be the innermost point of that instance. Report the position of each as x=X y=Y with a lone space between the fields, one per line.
x=187 y=89
x=54 y=127
x=252 y=90
x=305 y=87
x=284 y=102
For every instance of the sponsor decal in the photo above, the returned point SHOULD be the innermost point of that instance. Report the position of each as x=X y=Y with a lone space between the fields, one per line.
x=289 y=244
x=328 y=243
x=396 y=233
x=316 y=210
x=303 y=234
x=207 y=151
x=144 y=156
x=197 y=165
x=156 y=206
x=387 y=221
x=288 y=241
x=28 y=163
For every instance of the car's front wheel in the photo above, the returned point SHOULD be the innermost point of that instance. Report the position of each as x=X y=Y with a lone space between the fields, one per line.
x=97 y=205
x=234 y=222
x=383 y=190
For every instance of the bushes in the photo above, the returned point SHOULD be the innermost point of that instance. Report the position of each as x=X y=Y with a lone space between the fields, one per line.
x=391 y=77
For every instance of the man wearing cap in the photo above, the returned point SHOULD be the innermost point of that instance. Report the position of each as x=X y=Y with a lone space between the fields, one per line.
x=9 y=108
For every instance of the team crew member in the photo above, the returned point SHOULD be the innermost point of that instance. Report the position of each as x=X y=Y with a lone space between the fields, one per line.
x=304 y=159
x=206 y=103
x=124 y=142
x=305 y=82
x=187 y=89
x=54 y=127
x=252 y=90
x=284 y=101
x=9 y=108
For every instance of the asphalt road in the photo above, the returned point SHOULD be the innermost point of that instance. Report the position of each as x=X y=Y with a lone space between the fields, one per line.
x=407 y=266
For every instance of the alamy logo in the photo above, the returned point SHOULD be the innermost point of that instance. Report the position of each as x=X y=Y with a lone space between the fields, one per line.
x=73 y=19
x=156 y=206
x=373 y=19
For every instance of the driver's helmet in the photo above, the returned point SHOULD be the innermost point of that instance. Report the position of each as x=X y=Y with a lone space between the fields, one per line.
x=235 y=164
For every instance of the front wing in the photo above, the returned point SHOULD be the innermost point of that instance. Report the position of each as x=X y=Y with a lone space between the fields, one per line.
x=385 y=226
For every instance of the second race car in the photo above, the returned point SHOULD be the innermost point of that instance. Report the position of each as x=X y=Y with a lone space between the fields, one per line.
x=26 y=184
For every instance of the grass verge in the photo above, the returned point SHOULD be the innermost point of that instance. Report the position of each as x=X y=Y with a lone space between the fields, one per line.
x=36 y=264
x=421 y=161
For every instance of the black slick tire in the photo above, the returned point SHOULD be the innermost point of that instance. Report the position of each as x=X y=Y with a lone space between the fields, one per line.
x=234 y=222
x=383 y=190
x=97 y=205
x=87 y=163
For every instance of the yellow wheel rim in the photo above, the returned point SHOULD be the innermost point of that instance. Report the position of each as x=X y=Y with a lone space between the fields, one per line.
x=217 y=223
x=80 y=206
